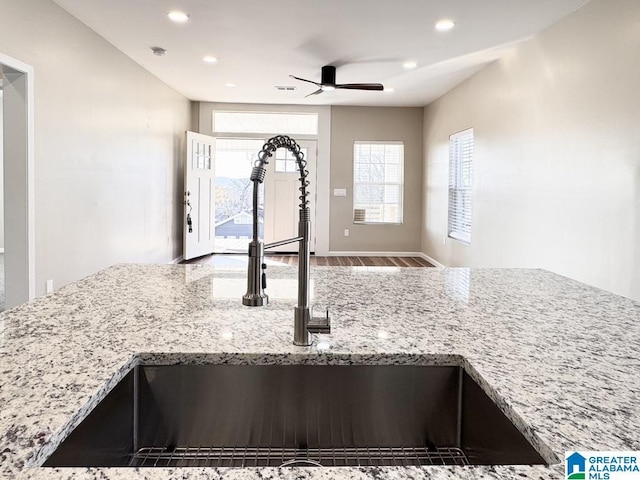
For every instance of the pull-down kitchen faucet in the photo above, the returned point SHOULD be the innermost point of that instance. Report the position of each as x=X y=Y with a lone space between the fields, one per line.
x=304 y=323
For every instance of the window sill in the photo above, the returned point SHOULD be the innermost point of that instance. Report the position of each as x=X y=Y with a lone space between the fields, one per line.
x=460 y=238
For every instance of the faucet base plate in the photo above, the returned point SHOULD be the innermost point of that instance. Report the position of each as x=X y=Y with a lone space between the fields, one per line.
x=255 y=300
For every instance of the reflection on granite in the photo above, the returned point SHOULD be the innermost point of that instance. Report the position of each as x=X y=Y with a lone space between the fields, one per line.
x=560 y=358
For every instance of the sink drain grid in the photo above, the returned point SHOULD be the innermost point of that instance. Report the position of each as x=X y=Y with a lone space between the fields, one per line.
x=275 y=457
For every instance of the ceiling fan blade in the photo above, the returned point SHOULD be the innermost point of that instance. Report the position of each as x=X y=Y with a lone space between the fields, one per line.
x=361 y=86
x=305 y=80
x=314 y=93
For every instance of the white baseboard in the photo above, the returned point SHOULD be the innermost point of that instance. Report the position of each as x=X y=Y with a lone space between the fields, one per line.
x=431 y=260
x=175 y=261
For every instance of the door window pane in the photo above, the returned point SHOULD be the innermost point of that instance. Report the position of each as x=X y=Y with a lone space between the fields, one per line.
x=286 y=161
x=201 y=155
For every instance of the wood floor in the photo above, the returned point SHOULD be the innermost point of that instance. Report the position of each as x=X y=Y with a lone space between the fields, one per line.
x=316 y=261
x=355 y=261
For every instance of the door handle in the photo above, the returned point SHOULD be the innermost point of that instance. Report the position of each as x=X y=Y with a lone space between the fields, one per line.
x=188 y=204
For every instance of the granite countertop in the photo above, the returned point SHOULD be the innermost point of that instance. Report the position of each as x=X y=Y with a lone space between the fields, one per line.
x=560 y=358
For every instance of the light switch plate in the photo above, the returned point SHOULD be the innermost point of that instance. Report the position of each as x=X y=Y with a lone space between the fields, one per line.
x=339 y=192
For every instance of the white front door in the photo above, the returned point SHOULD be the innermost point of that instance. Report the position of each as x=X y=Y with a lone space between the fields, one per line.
x=281 y=192
x=199 y=196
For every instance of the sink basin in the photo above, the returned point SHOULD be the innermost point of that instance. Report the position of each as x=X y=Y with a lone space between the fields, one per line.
x=272 y=415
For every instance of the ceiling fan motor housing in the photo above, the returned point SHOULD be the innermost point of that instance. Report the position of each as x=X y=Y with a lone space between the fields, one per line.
x=328 y=75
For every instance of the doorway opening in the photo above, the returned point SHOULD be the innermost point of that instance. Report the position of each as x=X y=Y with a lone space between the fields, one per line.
x=18 y=181
x=278 y=198
x=234 y=190
x=235 y=138
x=240 y=135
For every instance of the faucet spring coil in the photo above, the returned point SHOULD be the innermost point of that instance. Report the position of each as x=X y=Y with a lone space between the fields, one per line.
x=258 y=174
x=270 y=146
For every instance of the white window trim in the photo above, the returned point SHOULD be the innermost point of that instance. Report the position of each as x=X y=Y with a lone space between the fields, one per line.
x=401 y=197
x=463 y=237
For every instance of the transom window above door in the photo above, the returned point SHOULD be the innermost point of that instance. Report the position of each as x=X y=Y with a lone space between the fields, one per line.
x=265 y=122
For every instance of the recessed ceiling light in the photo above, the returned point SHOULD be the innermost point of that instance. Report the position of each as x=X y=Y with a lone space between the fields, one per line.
x=389 y=89
x=210 y=59
x=410 y=65
x=178 y=16
x=445 y=25
x=230 y=85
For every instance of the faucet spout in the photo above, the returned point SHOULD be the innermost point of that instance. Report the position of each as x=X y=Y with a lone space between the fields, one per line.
x=304 y=323
x=256 y=278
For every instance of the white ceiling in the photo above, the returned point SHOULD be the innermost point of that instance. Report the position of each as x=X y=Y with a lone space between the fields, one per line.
x=259 y=43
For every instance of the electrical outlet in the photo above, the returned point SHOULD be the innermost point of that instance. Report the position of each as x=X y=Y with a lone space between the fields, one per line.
x=49 y=286
x=346 y=232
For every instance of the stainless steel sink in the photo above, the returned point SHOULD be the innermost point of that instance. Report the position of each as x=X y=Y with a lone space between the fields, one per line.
x=270 y=415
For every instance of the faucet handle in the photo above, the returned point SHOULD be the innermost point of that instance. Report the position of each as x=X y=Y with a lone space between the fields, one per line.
x=320 y=324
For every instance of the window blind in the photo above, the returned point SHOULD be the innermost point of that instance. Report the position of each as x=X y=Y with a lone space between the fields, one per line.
x=460 y=185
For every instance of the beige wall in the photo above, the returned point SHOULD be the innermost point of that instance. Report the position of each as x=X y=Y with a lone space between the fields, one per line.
x=557 y=157
x=349 y=124
x=108 y=147
x=339 y=127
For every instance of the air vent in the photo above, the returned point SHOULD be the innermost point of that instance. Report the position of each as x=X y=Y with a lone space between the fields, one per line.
x=284 y=88
x=158 y=51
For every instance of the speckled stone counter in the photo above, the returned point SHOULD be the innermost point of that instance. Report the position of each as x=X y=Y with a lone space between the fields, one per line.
x=561 y=359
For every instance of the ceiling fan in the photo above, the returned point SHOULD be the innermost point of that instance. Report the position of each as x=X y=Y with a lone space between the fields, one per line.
x=328 y=82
